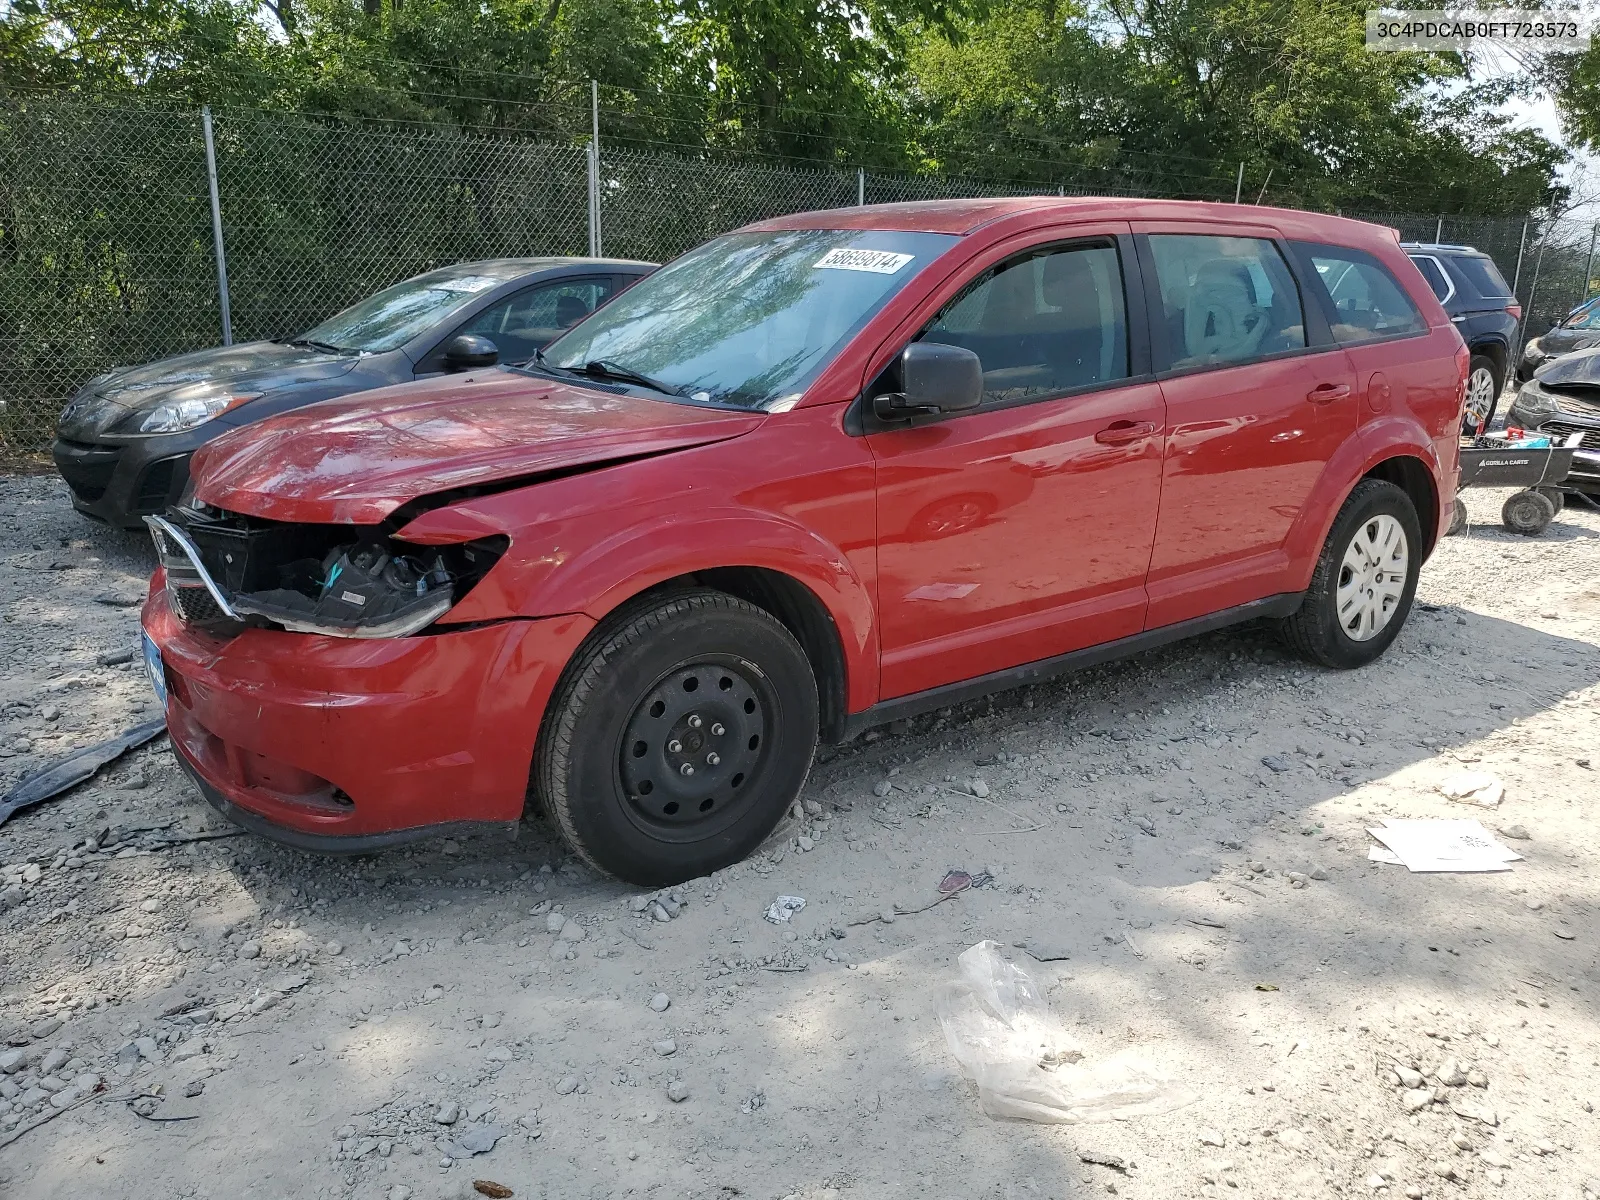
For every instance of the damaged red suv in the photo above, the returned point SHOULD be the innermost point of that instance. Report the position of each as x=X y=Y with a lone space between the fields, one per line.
x=825 y=471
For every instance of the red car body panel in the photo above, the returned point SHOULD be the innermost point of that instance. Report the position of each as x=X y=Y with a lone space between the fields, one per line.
x=274 y=722
x=365 y=459
x=939 y=553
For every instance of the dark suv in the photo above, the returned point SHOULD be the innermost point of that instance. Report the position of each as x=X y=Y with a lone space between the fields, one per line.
x=1485 y=312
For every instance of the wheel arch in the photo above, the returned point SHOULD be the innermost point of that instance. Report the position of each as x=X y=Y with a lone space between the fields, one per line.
x=1496 y=351
x=1411 y=475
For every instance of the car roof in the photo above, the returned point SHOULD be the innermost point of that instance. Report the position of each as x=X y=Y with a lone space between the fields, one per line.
x=1445 y=248
x=963 y=217
x=515 y=268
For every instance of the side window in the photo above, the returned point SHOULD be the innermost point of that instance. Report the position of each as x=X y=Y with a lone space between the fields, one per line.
x=1433 y=274
x=1225 y=299
x=1368 y=302
x=1048 y=322
x=532 y=319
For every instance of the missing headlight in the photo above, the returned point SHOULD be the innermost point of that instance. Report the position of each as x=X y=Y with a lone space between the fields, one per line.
x=337 y=580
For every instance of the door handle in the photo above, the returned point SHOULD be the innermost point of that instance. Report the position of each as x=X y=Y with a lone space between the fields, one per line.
x=1325 y=392
x=1119 y=433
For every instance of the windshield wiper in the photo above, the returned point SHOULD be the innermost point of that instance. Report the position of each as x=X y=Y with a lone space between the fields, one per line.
x=603 y=368
x=327 y=347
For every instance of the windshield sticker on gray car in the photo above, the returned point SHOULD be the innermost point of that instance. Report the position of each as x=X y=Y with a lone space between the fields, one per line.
x=879 y=262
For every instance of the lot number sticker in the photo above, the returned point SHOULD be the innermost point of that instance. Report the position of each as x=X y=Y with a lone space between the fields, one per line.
x=879 y=262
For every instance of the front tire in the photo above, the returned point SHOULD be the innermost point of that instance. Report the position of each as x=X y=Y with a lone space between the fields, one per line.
x=1528 y=513
x=1364 y=582
x=678 y=736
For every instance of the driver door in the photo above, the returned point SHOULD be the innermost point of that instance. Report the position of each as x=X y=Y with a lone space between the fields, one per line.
x=1022 y=529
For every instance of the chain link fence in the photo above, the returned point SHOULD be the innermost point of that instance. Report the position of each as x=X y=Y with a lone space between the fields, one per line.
x=107 y=256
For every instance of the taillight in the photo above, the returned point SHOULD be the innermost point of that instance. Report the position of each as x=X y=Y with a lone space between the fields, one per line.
x=1515 y=310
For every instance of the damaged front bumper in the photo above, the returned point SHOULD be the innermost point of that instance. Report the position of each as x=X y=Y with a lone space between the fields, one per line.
x=343 y=744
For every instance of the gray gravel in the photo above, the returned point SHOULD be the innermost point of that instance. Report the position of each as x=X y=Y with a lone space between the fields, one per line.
x=308 y=1021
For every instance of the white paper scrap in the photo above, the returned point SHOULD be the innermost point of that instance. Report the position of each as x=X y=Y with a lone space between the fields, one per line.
x=1444 y=846
x=1474 y=787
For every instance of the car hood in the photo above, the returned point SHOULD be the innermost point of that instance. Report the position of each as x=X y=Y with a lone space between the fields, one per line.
x=1565 y=341
x=355 y=460
x=249 y=367
x=1580 y=370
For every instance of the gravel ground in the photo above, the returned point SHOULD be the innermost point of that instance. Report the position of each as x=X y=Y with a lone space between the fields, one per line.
x=223 y=1018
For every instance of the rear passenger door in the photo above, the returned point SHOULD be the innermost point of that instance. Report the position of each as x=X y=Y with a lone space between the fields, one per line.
x=1258 y=398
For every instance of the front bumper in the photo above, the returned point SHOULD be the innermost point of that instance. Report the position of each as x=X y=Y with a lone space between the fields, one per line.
x=1585 y=473
x=337 y=744
x=118 y=482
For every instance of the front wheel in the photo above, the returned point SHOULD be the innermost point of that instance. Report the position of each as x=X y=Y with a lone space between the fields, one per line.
x=1364 y=582
x=678 y=736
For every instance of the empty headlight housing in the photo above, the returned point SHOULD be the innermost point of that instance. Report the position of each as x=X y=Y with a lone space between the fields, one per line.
x=226 y=572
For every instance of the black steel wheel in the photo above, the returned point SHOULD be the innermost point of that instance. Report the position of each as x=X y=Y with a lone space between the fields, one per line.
x=677 y=737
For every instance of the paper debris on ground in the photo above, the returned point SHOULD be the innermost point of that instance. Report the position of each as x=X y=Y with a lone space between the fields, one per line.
x=1442 y=846
x=1474 y=787
x=784 y=907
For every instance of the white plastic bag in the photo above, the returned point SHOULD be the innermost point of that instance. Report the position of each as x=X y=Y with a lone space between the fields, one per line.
x=1000 y=1029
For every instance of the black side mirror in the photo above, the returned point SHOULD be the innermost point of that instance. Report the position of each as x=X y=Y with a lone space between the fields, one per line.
x=937 y=379
x=468 y=350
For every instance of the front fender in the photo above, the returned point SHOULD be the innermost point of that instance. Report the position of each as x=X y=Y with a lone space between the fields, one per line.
x=1394 y=435
x=593 y=570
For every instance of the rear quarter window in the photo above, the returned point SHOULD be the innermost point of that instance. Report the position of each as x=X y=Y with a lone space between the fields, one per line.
x=1365 y=301
x=1484 y=276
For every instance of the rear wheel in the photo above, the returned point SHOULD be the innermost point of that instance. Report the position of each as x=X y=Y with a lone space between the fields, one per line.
x=677 y=738
x=1483 y=392
x=1458 y=518
x=1557 y=498
x=1364 y=582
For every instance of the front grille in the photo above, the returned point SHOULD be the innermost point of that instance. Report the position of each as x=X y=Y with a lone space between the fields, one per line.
x=1559 y=432
x=155 y=487
x=87 y=469
x=195 y=605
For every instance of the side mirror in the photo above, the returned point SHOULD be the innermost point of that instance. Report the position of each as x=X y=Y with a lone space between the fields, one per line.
x=937 y=379
x=468 y=350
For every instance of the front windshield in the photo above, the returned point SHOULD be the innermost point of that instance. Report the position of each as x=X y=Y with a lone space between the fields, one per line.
x=392 y=317
x=751 y=318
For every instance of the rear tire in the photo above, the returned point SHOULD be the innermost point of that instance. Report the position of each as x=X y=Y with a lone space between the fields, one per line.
x=1364 y=582
x=1458 y=518
x=1483 y=395
x=1557 y=498
x=1528 y=513
x=677 y=738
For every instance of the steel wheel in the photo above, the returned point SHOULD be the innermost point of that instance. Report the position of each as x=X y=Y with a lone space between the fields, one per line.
x=1372 y=577
x=691 y=745
x=1480 y=397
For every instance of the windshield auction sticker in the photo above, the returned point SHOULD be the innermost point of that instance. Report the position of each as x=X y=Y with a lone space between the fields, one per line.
x=879 y=262
x=1512 y=29
x=467 y=283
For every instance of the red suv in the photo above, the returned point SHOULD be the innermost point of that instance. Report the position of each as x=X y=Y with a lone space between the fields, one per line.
x=825 y=471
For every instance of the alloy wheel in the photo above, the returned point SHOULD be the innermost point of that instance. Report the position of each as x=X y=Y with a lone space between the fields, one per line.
x=1372 y=577
x=1480 y=396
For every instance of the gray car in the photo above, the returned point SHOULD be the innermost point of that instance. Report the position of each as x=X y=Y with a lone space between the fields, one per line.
x=124 y=441
x=1562 y=399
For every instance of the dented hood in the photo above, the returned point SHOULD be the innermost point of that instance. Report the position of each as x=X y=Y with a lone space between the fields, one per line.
x=356 y=460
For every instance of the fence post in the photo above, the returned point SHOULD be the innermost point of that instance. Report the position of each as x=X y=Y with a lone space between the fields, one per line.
x=1238 y=186
x=594 y=168
x=216 y=227
x=1516 y=278
x=1533 y=292
x=1588 y=267
x=861 y=186
x=1438 y=233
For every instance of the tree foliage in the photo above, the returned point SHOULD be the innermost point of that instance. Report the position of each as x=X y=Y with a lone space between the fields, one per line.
x=1167 y=96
